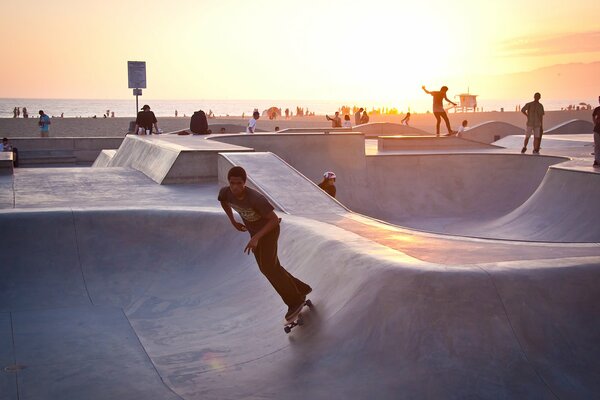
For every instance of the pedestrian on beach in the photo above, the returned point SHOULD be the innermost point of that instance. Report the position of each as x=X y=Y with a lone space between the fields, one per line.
x=260 y=220
x=347 y=123
x=328 y=183
x=438 y=108
x=406 y=119
x=596 y=119
x=44 y=124
x=251 y=128
x=358 y=116
x=7 y=147
x=144 y=122
x=25 y=112
x=15 y=112
x=336 y=121
x=534 y=111
x=365 y=118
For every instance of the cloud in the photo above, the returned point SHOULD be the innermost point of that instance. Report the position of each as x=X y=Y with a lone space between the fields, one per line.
x=583 y=42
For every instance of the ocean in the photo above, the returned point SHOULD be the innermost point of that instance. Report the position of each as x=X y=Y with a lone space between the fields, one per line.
x=85 y=108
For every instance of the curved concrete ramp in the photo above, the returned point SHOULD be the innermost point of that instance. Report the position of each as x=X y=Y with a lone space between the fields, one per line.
x=572 y=127
x=163 y=304
x=491 y=131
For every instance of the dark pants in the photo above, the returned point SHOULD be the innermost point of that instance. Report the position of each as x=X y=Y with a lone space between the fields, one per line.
x=290 y=289
x=438 y=116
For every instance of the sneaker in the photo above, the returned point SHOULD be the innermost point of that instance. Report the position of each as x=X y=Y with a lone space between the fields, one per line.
x=293 y=311
x=523 y=150
x=535 y=152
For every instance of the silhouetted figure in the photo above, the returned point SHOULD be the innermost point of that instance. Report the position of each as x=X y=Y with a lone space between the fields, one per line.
x=406 y=119
x=199 y=123
x=328 y=183
x=596 y=119
x=25 y=112
x=144 y=121
x=534 y=111
x=336 y=121
x=462 y=128
x=438 y=108
x=358 y=116
x=364 y=119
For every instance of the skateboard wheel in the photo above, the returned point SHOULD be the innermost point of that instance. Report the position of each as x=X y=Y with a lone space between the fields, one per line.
x=287 y=329
x=309 y=303
x=300 y=321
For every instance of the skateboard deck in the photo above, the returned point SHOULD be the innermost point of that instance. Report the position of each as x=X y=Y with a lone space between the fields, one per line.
x=296 y=319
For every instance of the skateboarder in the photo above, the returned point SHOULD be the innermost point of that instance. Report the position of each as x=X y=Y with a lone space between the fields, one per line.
x=262 y=223
x=438 y=108
x=534 y=111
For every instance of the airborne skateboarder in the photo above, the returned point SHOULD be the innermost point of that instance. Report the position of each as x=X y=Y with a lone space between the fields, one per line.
x=263 y=225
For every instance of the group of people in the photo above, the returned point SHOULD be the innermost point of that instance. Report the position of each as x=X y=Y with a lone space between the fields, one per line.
x=360 y=117
x=17 y=112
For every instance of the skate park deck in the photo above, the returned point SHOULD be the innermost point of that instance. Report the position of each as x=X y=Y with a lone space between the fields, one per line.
x=119 y=287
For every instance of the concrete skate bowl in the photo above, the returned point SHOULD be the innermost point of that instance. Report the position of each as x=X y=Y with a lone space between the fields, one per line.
x=163 y=304
x=498 y=196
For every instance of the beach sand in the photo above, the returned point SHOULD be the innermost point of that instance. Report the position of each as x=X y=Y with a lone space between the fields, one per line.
x=114 y=127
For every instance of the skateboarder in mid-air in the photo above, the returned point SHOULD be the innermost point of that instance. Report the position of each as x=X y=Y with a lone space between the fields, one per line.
x=262 y=223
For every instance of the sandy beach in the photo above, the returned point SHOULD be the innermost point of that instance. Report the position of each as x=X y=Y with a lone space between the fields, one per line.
x=92 y=127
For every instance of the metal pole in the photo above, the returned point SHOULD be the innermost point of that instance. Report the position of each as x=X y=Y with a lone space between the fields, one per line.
x=136 y=105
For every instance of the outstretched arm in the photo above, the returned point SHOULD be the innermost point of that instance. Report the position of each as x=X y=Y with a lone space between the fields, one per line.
x=425 y=90
x=272 y=222
x=449 y=101
x=227 y=208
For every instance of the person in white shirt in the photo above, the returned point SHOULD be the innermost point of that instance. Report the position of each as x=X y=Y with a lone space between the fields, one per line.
x=462 y=128
x=347 y=123
x=252 y=123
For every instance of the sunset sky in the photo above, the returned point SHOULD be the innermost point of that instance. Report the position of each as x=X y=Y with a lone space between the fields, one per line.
x=264 y=49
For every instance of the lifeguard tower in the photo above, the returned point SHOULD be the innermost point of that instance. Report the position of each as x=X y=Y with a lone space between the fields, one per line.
x=467 y=102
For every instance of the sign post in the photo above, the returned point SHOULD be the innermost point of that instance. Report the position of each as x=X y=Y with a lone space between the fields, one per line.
x=136 y=73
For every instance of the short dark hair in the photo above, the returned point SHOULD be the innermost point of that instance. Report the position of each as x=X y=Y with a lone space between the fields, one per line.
x=237 y=172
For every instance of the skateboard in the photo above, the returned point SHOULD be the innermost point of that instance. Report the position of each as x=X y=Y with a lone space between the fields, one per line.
x=297 y=319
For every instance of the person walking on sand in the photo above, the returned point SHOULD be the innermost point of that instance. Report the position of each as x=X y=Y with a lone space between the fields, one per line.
x=328 y=183
x=438 y=108
x=251 y=128
x=144 y=121
x=406 y=119
x=44 y=124
x=358 y=116
x=596 y=119
x=336 y=121
x=534 y=111
x=260 y=220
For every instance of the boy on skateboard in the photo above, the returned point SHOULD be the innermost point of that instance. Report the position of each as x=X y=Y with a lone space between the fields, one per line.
x=262 y=223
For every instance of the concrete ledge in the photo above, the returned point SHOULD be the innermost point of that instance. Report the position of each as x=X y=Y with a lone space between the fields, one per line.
x=104 y=158
x=375 y=129
x=427 y=143
x=491 y=131
x=574 y=126
x=6 y=163
x=63 y=150
x=170 y=159
x=314 y=130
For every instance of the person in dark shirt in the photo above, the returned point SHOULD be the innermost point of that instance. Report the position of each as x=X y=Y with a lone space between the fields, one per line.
x=438 y=108
x=262 y=223
x=145 y=119
x=328 y=183
x=596 y=118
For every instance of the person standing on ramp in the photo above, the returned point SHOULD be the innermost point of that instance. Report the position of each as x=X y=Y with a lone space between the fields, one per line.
x=534 y=111
x=262 y=223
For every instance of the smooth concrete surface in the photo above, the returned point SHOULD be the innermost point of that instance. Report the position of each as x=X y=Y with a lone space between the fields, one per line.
x=491 y=131
x=114 y=286
x=385 y=143
x=374 y=129
x=182 y=312
x=63 y=150
x=171 y=158
x=6 y=163
x=104 y=158
x=572 y=127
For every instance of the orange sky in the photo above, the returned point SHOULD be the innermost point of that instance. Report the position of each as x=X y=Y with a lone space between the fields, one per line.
x=380 y=51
